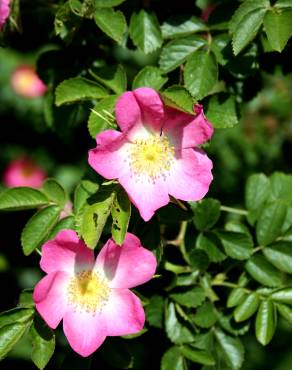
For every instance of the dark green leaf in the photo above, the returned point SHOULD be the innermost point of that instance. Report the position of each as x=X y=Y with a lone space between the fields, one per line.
x=113 y=77
x=236 y=245
x=263 y=272
x=154 y=311
x=198 y=259
x=43 y=343
x=205 y=316
x=210 y=243
x=206 y=213
x=177 y=51
x=221 y=111
x=173 y=360
x=190 y=298
x=82 y=192
x=26 y=299
x=121 y=212
x=16 y=315
x=176 y=331
x=180 y=26
x=200 y=73
x=38 y=227
x=55 y=192
x=178 y=97
x=265 y=322
x=10 y=335
x=247 y=307
x=111 y=22
x=280 y=255
x=16 y=199
x=256 y=192
x=197 y=355
x=145 y=31
x=107 y=3
x=235 y=297
x=151 y=77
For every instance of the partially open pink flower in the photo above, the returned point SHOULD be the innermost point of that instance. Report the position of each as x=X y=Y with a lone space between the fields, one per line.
x=23 y=172
x=155 y=153
x=4 y=11
x=92 y=296
x=26 y=82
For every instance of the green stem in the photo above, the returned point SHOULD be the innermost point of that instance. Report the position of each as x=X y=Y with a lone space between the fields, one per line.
x=232 y=285
x=234 y=210
x=38 y=251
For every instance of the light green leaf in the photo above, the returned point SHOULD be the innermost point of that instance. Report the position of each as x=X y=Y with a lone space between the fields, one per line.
x=282 y=295
x=10 y=335
x=265 y=322
x=197 y=355
x=173 y=360
x=16 y=315
x=270 y=222
x=78 y=88
x=82 y=192
x=16 y=199
x=281 y=185
x=283 y=4
x=278 y=27
x=107 y=3
x=235 y=297
x=280 y=255
x=113 y=77
x=231 y=348
x=151 y=77
x=200 y=73
x=236 y=245
x=180 y=26
x=43 y=343
x=205 y=316
x=65 y=223
x=177 y=51
x=206 y=213
x=256 y=192
x=111 y=22
x=38 y=227
x=100 y=118
x=55 y=192
x=190 y=298
x=263 y=272
x=285 y=312
x=178 y=97
x=145 y=31
x=121 y=213
x=221 y=111
x=177 y=331
x=247 y=307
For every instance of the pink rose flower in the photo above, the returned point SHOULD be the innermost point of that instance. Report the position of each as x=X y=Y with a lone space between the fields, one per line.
x=154 y=156
x=92 y=296
x=25 y=82
x=23 y=172
x=4 y=11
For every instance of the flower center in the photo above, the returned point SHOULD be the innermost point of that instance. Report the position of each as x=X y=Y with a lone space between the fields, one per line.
x=88 y=291
x=151 y=157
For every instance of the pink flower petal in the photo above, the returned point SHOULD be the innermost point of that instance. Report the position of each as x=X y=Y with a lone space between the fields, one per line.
x=186 y=130
x=110 y=156
x=4 y=11
x=146 y=195
x=191 y=175
x=123 y=313
x=65 y=253
x=128 y=265
x=127 y=111
x=85 y=332
x=50 y=297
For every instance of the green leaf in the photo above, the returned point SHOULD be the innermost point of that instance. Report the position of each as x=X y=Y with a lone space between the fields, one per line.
x=237 y=227
x=281 y=185
x=178 y=97
x=100 y=117
x=197 y=355
x=278 y=27
x=247 y=307
x=265 y=322
x=282 y=296
x=247 y=29
x=43 y=343
x=107 y=3
x=111 y=22
x=180 y=26
x=283 y=4
x=285 y=311
x=65 y=223
x=151 y=77
x=176 y=331
x=235 y=297
x=200 y=73
x=177 y=51
x=26 y=299
x=270 y=222
x=113 y=77
x=263 y=272
x=82 y=192
x=231 y=348
x=256 y=192
x=193 y=297
x=280 y=255
x=121 y=213
x=16 y=316
x=210 y=243
x=38 y=227
x=173 y=359
x=236 y=245
x=145 y=31
x=219 y=45
x=221 y=111
x=206 y=213
x=205 y=316
x=10 y=335
x=77 y=89
x=66 y=23
x=198 y=259
x=93 y=218
x=154 y=311
x=16 y=199
x=55 y=192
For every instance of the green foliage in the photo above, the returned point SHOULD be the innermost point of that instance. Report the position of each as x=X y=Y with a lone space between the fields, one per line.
x=111 y=22
x=178 y=97
x=151 y=77
x=16 y=199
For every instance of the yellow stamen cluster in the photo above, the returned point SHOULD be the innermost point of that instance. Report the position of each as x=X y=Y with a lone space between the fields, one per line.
x=151 y=157
x=88 y=291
